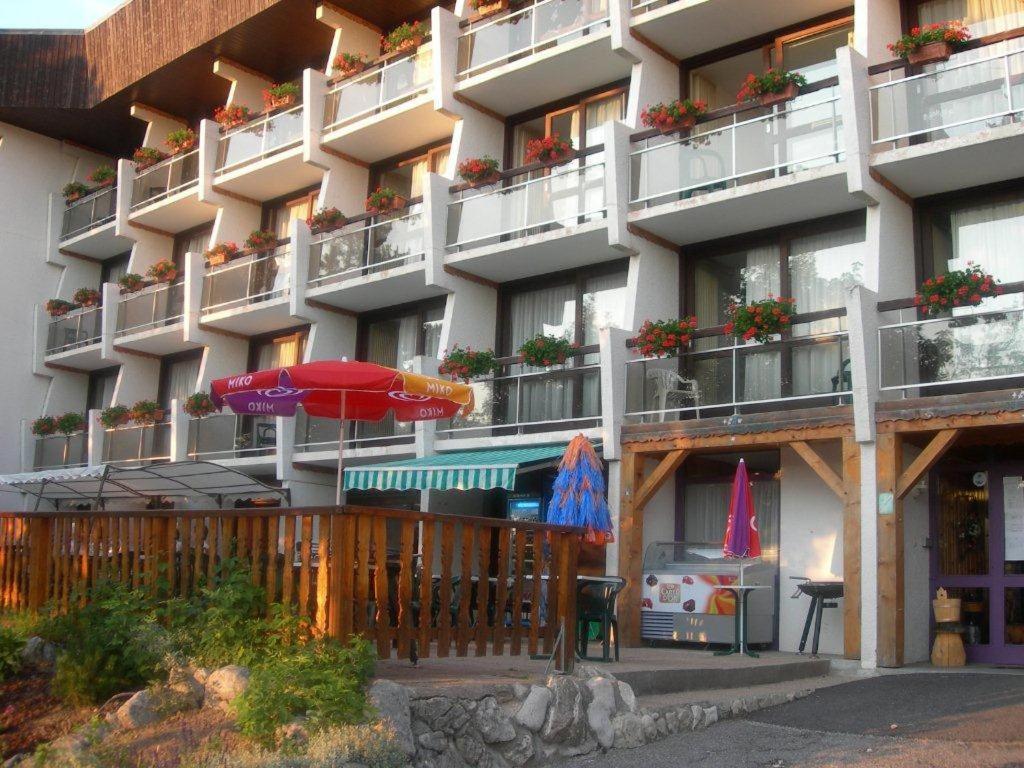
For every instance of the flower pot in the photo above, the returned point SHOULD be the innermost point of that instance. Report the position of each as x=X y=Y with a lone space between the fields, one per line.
x=397 y=203
x=930 y=53
x=168 y=278
x=489 y=9
x=684 y=124
x=90 y=303
x=105 y=183
x=790 y=92
x=567 y=157
x=403 y=48
x=946 y=609
x=72 y=198
x=281 y=102
x=153 y=418
x=494 y=178
x=216 y=259
x=182 y=148
x=349 y=70
x=58 y=312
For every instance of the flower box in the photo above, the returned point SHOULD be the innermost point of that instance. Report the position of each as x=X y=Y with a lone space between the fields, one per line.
x=551 y=150
x=402 y=40
x=131 y=282
x=675 y=116
x=221 y=254
x=478 y=172
x=346 y=65
x=485 y=8
x=163 y=271
x=790 y=92
x=930 y=53
x=325 y=220
x=931 y=43
x=86 y=297
x=259 y=241
x=384 y=200
x=181 y=141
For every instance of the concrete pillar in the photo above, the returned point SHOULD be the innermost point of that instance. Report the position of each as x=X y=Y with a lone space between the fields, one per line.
x=179 y=432
x=616 y=183
x=612 y=343
x=96 y=440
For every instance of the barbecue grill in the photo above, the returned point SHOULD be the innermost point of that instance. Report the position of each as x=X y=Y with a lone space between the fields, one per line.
x=823 y=594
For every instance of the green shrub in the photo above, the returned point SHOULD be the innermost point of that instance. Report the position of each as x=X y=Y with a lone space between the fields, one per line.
x=10 y=652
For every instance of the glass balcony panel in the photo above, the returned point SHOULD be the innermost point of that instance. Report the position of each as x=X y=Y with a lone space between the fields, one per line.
x=227 y=436
x=379 y=89
x=260 y=139
x=251 y=279
x=151 y=308
x=165 y=179
x=55 y=451
x=89 y=212
x=313 y=433
x=138 y=444
x=80 y=328
x=361 y=248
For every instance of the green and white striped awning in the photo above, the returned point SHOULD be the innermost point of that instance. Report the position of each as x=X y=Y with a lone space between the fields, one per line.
x=458 y=470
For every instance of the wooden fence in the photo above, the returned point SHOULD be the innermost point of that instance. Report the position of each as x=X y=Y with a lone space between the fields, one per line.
x=520 y=590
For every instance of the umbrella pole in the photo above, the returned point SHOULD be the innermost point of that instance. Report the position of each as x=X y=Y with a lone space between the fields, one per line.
x=341 y=451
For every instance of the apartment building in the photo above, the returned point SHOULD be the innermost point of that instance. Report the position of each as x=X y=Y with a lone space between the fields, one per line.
x=885 y=447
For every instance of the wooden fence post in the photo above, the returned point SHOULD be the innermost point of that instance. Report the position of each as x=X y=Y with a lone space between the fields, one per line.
x=39 y=531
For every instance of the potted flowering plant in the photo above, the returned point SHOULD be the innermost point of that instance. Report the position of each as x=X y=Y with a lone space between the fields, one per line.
x=325 y=219
x=260 y=240
x=477 y=171
x=467 y=363
x=221 y=254
x=760 y=320
x=231 y=116
x=163 y=271
x=103 y=176
x=74 y=190
x=385 y=199
x=115 y=416
x=199 y=405
x=182 y=140
x=44 y=426
x=145 y=157
x=956 y=288
x=147 y=412
x=550 y=150
x=70 y=423
x=58 y=307
x=674 y=115
x=488 y=7
x=404 y=37
x=346 y=65
x=664 y=338
x=931 y=43
x=86 y=297
x=279 y=96
x=131 y=282
x=773 y=87
x=543 y=351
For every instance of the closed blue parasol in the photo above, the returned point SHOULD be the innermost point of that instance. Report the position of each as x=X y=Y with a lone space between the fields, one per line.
x=579 y=497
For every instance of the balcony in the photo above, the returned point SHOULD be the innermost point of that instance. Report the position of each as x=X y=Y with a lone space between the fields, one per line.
x=537 y=54
x=522 y=401
x=686 y=28
x=373 y=261
x=88 y=226
x=717 y=377
x=743 y=168
x=227 y=437
x=165 y=196
x=250 y=295
x=956 y=127
x=317 y=439
x=263 y=158
x=59 y=451
x=386 y=110
x=976 y=349
x=74 y=339
x=539 y=221
x=152 y=320
x=137 y=444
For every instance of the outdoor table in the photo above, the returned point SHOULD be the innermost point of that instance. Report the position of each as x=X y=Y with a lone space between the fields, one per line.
x=741 y=592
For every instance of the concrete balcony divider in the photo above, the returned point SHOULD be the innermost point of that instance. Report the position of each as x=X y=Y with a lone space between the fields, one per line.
x=97 y=449
x=179 y=432
x=614 y=354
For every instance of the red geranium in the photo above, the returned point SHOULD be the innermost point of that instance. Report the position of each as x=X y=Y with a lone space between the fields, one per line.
x=956 y=288
x=550 y=149
x=664 y=338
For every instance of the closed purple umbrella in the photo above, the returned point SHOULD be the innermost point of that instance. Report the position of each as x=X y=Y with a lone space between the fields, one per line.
x=741 y=536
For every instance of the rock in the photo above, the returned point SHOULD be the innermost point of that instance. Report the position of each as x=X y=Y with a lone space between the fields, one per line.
x=140 y=710
x=629 y=730
x=38 y=653
x=627 y=699
x=650 y=729
x=451 y=759
x=441 y=714
x=565 y=723
x=685 y=716
x=435 y=741
x=584 y=748
x=519 y=752
x=602 y=690
x=534 y=708
x=224 y=685
x=391 y=701
x=600 y=722
x=185 y=689
x=471 y=748
x=295 y=733
x=696 y=717
x=493 y=722
x=519 y=690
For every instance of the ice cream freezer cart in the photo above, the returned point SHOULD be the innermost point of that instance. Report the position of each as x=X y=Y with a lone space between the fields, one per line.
x=684 y=599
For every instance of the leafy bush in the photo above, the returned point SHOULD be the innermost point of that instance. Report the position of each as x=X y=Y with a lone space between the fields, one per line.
x=10 y=652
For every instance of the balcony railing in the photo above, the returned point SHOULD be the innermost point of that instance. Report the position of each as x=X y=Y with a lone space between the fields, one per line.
x=974 y=345
x=92 y=211
x=248 y=281
x=55 y=451
x=227 y=436
x=642 y=6
x=314 y=433
x=971 y=92
x=156 y=306
x=522 y=399
x=366 y=245
x=535 y=200
x=78 y=328
x=527 y=31
x=379 y=89
x=738 y=145
x=165 y=179
x=138 y=444
x=717 y=376
x=260 y=139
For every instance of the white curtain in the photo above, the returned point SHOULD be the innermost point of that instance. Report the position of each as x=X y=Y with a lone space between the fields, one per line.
x=760 y=371
x=984 y=17
x=706 y=513
x=604 y=306
x=182 y=380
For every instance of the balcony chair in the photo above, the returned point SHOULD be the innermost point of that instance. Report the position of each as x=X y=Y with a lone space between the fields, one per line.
x=266 y=435
x=595 y=604
x=843 y=382
x=670 y=387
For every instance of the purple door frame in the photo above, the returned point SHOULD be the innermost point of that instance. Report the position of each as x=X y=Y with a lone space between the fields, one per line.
x=997 y=651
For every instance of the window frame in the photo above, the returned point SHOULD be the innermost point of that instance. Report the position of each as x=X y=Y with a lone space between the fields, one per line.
x=428 y=152
x=166 y=361
x=298 y=333
x=270 y=209
x=418 y=309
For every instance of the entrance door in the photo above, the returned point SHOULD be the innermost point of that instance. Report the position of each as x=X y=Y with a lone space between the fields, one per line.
x=978 y=556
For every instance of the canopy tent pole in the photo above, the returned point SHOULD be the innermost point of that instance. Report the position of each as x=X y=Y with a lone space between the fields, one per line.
x=339 y=485
x=39 y=498
x=99 y=491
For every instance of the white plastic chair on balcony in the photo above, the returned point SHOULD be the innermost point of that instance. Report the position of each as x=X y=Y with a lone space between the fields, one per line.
x=672 y=389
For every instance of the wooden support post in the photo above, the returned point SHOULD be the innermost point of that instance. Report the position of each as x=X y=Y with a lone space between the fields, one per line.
x=851 y=549
x=925 y=460
x=889 y=450
x=631 y=542
x=821 y=469
x=39 y=533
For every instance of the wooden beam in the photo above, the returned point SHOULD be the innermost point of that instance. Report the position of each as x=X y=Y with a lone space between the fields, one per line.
x=631 y=543
x=732 y=441
x=889 y=459
x=821 y=469
x=996 y=418
x=851 y=549
x=656 y=479
x=925 y=461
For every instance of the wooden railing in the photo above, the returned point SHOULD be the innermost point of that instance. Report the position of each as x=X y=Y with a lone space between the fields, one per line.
x=447 y=582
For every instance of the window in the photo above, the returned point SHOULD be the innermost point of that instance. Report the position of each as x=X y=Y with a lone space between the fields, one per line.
x=984 y=17
x=100 y=394
x=581 y=121
x=406 y=175
x=114 y=269
x=279 y=214
x=179 y=377
x=194 y=240
x=277 y=351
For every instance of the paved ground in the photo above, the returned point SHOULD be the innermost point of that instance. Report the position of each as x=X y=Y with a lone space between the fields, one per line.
x=941 y=720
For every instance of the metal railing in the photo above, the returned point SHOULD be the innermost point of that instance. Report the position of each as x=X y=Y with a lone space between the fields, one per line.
x=249 y=280
x=973 y=345
x=260 y=139
x=138 y=444
x=313 y=433
x=642 y=6
x=528 y=30
x=738 y=148
x=543 y=200
x=78 y=328
x=962 y=96
x=368 y=245
x=229 y=436
x=153 y=307
x=165 y=179
x=56 y=451
x=93 y=210
x=380 y=89
x=717 y=376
